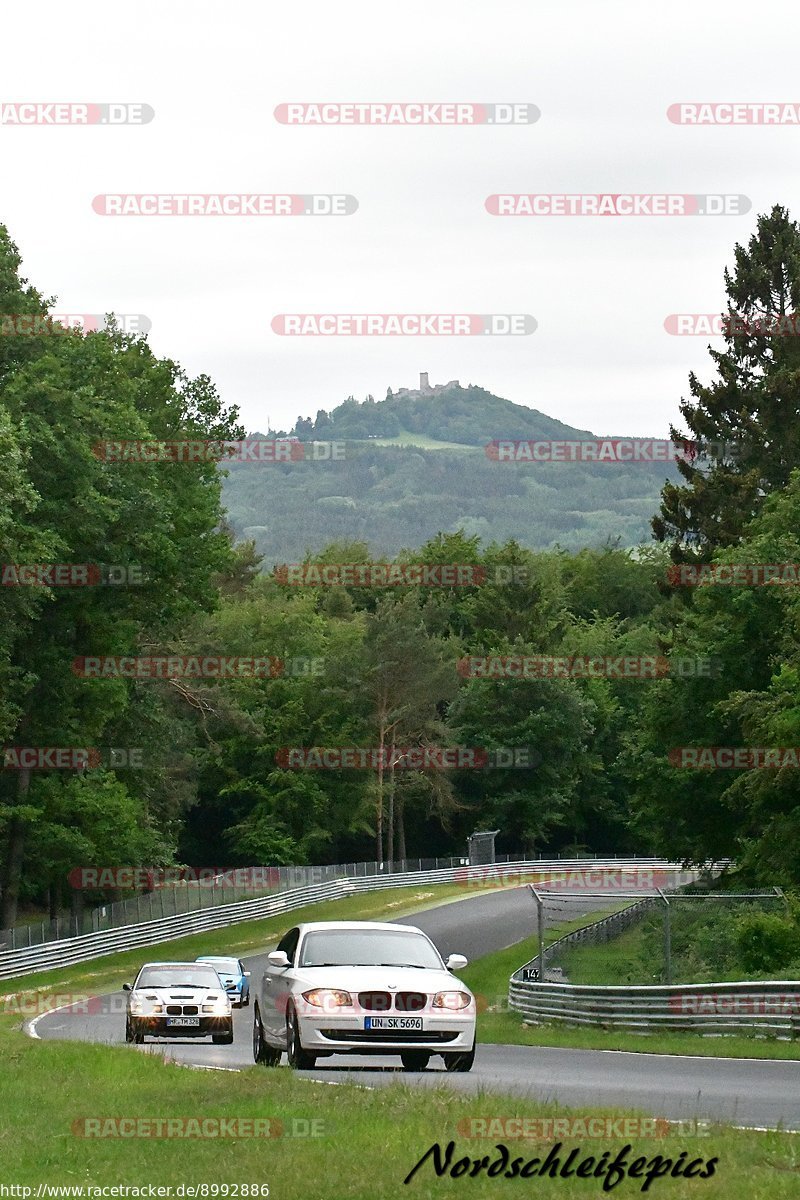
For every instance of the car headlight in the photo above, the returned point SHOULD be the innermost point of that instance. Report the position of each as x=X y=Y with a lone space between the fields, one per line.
x=141 y=1005
x=452 y=1000
x=328 y=998
x=220 y=1006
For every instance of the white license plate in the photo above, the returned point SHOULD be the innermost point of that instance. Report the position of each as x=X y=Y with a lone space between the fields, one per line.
x=182 y=1022
x=393 y=1023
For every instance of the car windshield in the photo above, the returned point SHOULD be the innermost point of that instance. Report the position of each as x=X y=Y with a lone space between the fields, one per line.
x=367 y=948
x=179 y=976
x=226 y=966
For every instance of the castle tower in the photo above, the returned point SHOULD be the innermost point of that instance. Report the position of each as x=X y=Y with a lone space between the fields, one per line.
x=424 y=386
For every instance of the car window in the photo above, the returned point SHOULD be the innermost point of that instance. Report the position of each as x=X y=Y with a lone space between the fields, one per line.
x=288 y=943
x=191 y=975
x=228 y=966
x=368 y=948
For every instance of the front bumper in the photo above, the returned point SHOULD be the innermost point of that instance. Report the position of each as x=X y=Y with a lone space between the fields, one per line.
x=157 y=1027
x=449 y=1033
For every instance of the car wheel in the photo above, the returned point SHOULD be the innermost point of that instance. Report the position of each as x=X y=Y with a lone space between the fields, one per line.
x=246 y=1001
x=415 y=1060
x=262 y=1051
x=460 y=1062
x=299 y=1058
x=225 y=1038
x=132 y=1033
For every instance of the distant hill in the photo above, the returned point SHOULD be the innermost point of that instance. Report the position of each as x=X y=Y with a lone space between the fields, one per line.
x=415 y=465
x=468 y=416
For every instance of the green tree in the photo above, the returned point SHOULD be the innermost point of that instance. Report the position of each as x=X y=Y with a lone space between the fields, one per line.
x=752 y=404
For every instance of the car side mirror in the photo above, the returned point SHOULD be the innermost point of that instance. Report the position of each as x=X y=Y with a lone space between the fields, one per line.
x=278 y=958
x=247 y=974
x=127 y=987
x=456 y=962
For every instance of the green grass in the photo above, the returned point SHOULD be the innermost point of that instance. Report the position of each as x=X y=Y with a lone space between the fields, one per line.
x=366 y=1141
x=423 y=441
x=614 y=963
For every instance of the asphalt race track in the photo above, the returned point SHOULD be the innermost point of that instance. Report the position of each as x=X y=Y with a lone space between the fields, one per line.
x=749 y=1092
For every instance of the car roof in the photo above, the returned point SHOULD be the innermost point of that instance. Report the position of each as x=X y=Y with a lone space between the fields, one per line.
x=177 y=963
x=209 y=958
x=327 y=926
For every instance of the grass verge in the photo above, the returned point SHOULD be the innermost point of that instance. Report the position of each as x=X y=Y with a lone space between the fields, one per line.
x=364 y=1143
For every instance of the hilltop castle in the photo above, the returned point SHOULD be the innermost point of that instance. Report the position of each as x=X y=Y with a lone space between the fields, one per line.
x=425 y=388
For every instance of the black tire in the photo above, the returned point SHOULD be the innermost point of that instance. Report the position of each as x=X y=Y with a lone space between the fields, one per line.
x=246 y=1003
x=263 y=1053
x=460 y=1062
x=133 y=1034
x=223 y=1039
x=415 y=1060
x=299 y=1059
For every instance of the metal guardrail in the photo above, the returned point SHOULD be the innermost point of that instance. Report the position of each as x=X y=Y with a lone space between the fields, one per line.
x=185 y=895
x=771 y=1008
x=52 y=955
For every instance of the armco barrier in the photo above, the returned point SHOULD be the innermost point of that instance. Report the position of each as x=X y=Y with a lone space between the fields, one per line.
x=771 y=1008
x=52 y=955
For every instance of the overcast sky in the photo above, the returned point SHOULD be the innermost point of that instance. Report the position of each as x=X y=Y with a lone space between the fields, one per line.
x=602 y=74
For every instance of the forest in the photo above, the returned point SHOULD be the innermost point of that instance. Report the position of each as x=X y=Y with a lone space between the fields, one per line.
x=566 y=753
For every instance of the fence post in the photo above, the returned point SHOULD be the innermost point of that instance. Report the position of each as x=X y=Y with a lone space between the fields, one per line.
x=667 y=939
x=540 y=923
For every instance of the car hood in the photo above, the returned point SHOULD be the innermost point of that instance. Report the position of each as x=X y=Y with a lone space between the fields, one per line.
x=407 y=979
x=192 y=994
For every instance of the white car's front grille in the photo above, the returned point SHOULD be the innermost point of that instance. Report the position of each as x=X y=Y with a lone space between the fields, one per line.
x=399 y=1001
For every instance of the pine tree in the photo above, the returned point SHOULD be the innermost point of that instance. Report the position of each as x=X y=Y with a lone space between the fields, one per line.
x=747 y=421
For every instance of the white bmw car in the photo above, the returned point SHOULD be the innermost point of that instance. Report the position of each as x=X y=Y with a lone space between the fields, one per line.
x=360 y=987
x=178 y=999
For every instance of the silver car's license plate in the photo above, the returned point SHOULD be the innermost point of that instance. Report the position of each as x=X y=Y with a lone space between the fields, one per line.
x=393 y=1023
x=182 y=1022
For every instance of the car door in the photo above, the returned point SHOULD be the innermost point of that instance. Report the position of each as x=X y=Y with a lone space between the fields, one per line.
x=275 y=989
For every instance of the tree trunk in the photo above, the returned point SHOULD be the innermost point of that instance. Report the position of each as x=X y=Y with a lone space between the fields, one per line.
x=379 y=802
x=15 y=851
x=76 y=911
x=390 y=818
x=401 y=826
